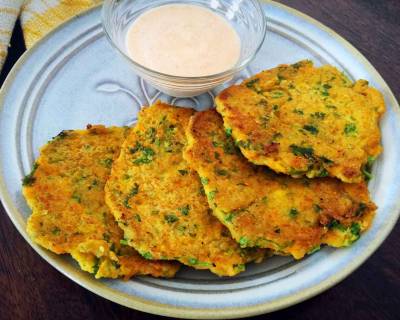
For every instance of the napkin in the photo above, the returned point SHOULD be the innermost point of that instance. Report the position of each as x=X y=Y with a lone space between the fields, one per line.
x=38 y=17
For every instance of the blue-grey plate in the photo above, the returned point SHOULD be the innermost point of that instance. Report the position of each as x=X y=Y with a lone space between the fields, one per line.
x=73 y=77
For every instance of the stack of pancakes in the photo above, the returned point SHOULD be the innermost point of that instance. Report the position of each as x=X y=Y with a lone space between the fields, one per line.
x=280 y=167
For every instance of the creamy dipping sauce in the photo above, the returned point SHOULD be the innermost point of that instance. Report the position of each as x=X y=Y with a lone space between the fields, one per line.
x=183 y=40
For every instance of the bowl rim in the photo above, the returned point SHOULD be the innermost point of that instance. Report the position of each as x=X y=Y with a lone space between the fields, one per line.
x=164 y=76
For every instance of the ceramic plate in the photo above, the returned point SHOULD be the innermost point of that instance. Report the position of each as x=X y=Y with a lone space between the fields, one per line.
x=73 y=77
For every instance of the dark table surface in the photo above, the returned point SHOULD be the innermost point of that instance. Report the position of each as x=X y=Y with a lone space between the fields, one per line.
x=31 y=289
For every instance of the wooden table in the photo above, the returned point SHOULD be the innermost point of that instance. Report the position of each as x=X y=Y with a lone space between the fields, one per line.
x=31 y=289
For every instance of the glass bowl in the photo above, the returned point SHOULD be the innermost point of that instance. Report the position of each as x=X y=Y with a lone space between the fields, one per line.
x=246 y=17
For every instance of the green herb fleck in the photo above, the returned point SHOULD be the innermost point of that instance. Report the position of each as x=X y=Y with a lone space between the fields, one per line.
x=306 y=152
x=137 y=217
x=146 y=157
x=318 y=115
x=183 y=172
x=147 y=255
x=221 y=172
x=264 y=200
x=361 y=208
x=298 y=111
x=184 y=210
x=313 y=130
x=171 y=218
x=106 y=162
x=29 y=179
x=317 y=208
x=204 y=180
x=211 y=194
x=252 y=85
x=124 y=242
x=228 y=132
x=56 y=231
x=293 y=212
x=243 y=242
x=96 y=265
x=355 y=230
x=277 y=94
x=76 y=197
x=350 y=129
x=193 y=261
x=334 y=224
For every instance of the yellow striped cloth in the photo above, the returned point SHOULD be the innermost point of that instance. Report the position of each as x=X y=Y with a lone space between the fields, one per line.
x=37 y=17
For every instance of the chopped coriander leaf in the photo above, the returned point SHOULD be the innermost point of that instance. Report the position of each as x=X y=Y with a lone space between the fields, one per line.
x=229 y=217
x=147 y=255
x=228 y=132
x=324 y=90
x=280 y=78
x=334 y=224
x=326 y=160
x=106 y=162
x=361 y=208
x=298 y=111
x=240 y=267
x=171 y=218
x=137 y=217
x=306 y=152
x=221 y=172
x=277 y=94
x=146 y=157
x=293 y=213
x=264 y=200
x=350 y=129
x=275 y=107
x=123 y=242
x=76 y=197
x=134 y=190
x=183 y=172
x=243 y=242
x=204 y=180
x=355 y=229
x=317 y=208
x=211 y=194
x=96 y=265
x=323 y=173
x=151 y=134
x=184 y=210
x=318 y=115
x=252 y=85
x=29 y=179
x=138 y=146
x=56 y=231
x=313 y=130
x=193 y=261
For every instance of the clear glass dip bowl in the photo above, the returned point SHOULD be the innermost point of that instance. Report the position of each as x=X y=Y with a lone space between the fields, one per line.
x=245 y=16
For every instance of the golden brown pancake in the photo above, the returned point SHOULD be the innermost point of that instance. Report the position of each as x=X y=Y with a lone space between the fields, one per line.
x=69 y=214
x=263 y=209
x=305 y=121
x=159 y=202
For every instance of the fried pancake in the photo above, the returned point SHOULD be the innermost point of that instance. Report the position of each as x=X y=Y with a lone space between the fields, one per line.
x=305 y=121
x=159 y=202
x=267 y=210
x=69 y=214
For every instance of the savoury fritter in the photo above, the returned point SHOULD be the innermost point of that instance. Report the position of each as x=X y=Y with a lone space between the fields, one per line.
x=159 y=202
x=69 y=214
x=268 y=210
x=305 y=121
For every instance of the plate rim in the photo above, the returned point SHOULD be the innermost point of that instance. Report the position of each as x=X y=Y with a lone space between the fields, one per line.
x=186 y=312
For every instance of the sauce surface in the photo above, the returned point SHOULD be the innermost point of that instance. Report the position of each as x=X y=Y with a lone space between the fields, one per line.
x=183 y=40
